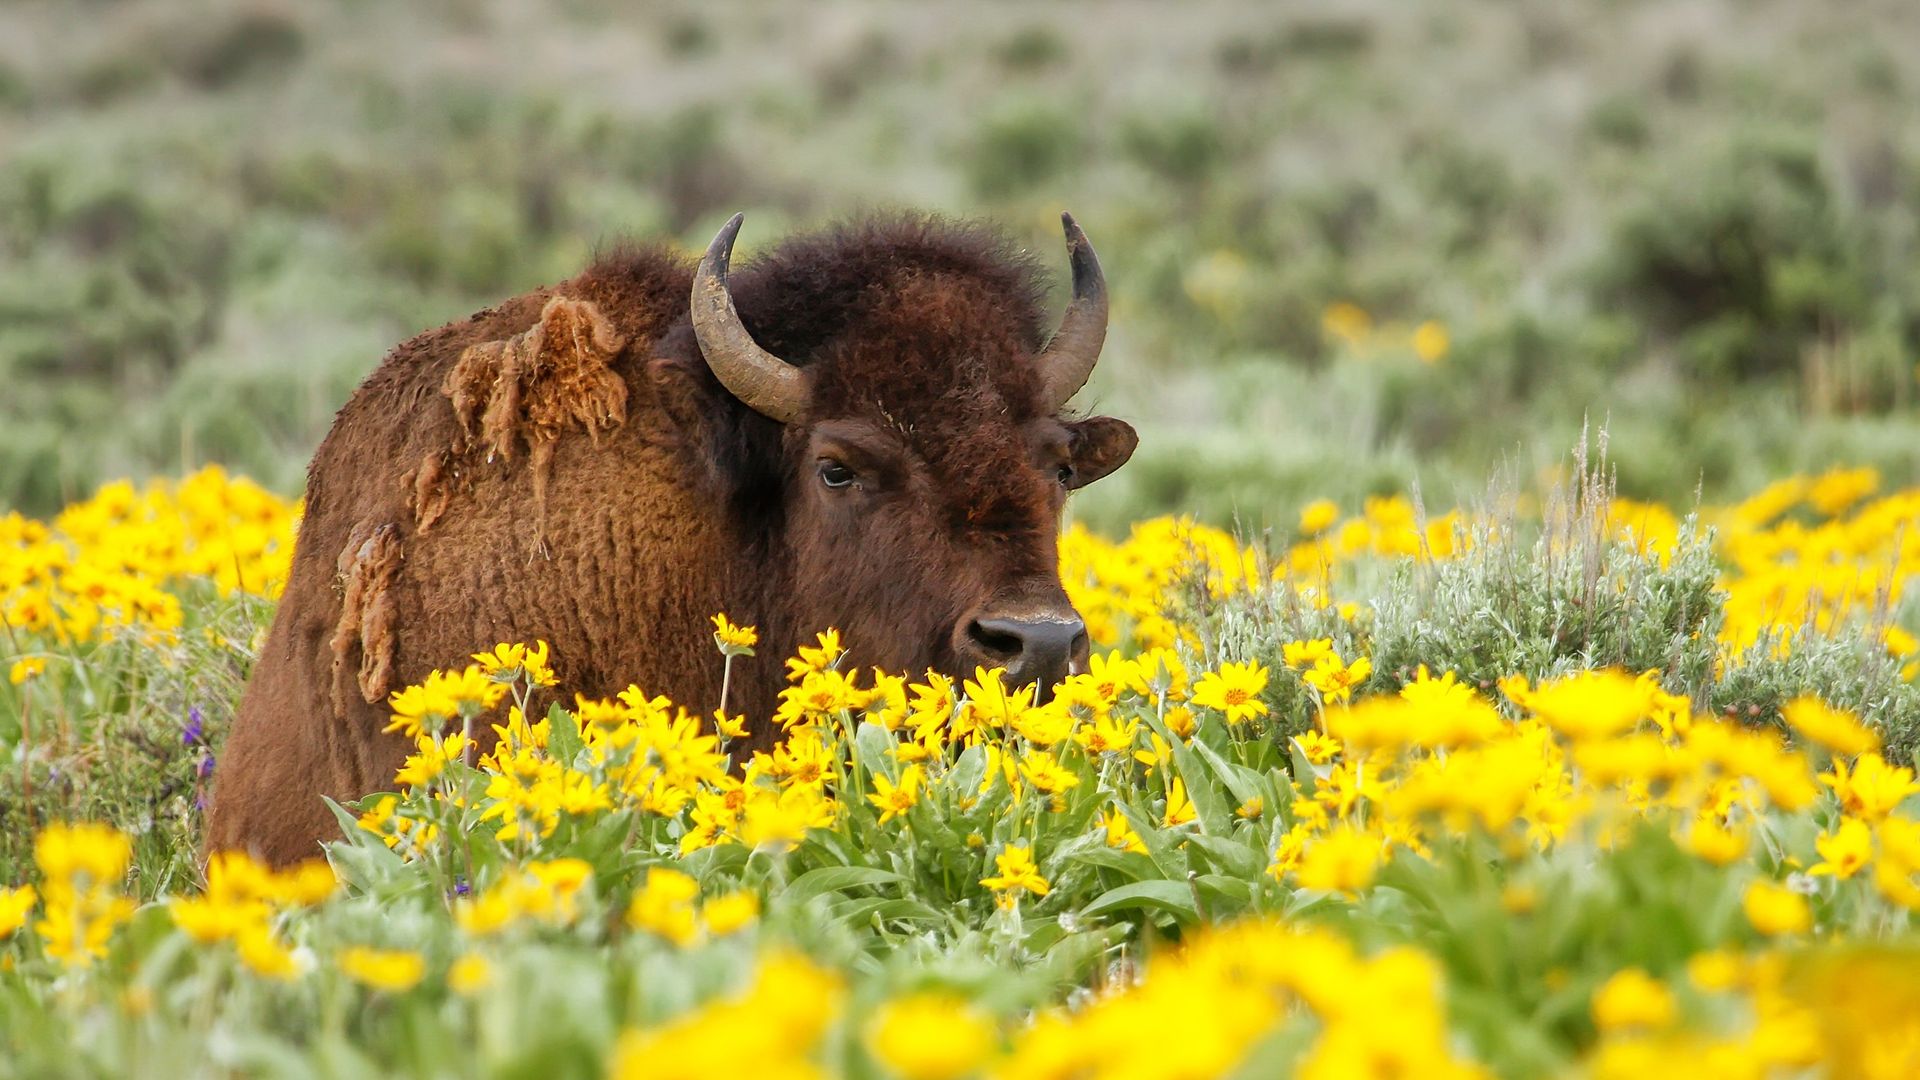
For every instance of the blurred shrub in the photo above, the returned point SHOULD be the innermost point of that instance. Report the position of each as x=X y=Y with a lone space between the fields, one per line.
x=219 y=52
x=1031 y=48
x=687 y=34
x=15 y=91
x=1620 y=120
x=1184 y=145
x=1021 y=144
x=1742 y=261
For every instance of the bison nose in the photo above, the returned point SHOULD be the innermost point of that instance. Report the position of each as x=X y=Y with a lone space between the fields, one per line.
x=1034 y=649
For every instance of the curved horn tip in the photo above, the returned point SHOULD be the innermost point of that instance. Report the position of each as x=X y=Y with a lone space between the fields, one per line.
x=722 y=246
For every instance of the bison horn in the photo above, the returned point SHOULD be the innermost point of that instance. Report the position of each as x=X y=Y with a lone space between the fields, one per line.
x=1070 y=356
x=762 y=381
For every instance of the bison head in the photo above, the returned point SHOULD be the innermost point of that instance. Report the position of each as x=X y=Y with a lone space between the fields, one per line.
x=924 y=460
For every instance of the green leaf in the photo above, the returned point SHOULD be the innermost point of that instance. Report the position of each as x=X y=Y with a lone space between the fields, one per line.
x=967 y=772
x=563 y=735
x=1131 y=863
x=872 y=747
x=1170 y=896
x=1303 y=773
x=832 y=879
x=1244 y=783
x=1231 y=855
x=1236 y=890
x=860 y=912
x=1163 y=846
x=1203 y=789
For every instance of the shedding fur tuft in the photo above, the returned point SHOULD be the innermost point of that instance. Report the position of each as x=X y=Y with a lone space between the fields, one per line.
x=367 y=568
x=532 y=387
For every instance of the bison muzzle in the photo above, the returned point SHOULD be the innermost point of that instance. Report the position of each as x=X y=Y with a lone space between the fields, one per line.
x=863 y=429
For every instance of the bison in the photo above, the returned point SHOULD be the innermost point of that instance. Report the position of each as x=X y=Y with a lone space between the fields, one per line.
x=863 y=429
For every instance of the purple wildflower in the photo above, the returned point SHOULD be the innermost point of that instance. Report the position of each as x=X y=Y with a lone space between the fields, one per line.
x=196 y=727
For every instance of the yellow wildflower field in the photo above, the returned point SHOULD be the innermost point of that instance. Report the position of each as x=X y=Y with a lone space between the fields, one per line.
x=1566 y=787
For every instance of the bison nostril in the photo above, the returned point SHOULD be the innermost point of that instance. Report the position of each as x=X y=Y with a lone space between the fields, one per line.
x=1043 y=649
x=993 y=637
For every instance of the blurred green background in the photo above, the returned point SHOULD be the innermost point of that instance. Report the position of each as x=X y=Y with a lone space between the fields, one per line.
x=1353 y=247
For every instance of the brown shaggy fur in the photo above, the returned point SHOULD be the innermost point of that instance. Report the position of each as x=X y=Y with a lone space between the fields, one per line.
x=650 y=499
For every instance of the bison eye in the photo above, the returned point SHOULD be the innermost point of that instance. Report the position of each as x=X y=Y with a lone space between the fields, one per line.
x=835 y=475
x=1066 y=476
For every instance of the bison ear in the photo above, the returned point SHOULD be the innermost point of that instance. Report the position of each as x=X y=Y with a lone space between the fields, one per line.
x=681 y=397
x=1101 y=444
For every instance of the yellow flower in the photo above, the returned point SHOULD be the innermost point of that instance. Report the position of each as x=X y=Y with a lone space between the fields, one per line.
x=1233 y=690
x=1716 y=843
x=393 y=971
x=1305 y=654
x=664 y=906
x=1430 y=342
x=1346 y=321
x=26 y=668
x=770 y=1030
x=421 y=709
x=820 y=656
x=1120 y=832
x=265 y=956
x=83 y=853
x=1045 y=725
x=990 y=705
x=307 y=883
x=1344 y=860
x=732 y=912
x=15 y=906
x=1845 y=850
x=1633 y=999
x=1318 y=749
x=731 y=727
x=1832 y=728
x=1775 y=909
x=1046 y=773
x=1336 y=679
x=1716 y=971
x=781 y=821
x=1873 y=788
x=886 y=703
x=894 y=800
x=1180 y=809
x=1315 y=518
x=734 y=640
x=1899 y=862
x=470 y=975
x=1017 y=871
x=930 y=1036
x=508 y=662
x=1107 y=735
x=1591 y=704
x=208 y=920
x=1837 y=489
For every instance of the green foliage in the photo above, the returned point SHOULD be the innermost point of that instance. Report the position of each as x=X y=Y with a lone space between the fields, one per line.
x=1742 y=259
x=1021 y=144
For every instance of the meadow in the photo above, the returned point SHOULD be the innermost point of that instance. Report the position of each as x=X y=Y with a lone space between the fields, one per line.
x=1555 y=784
x=1413 y=743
